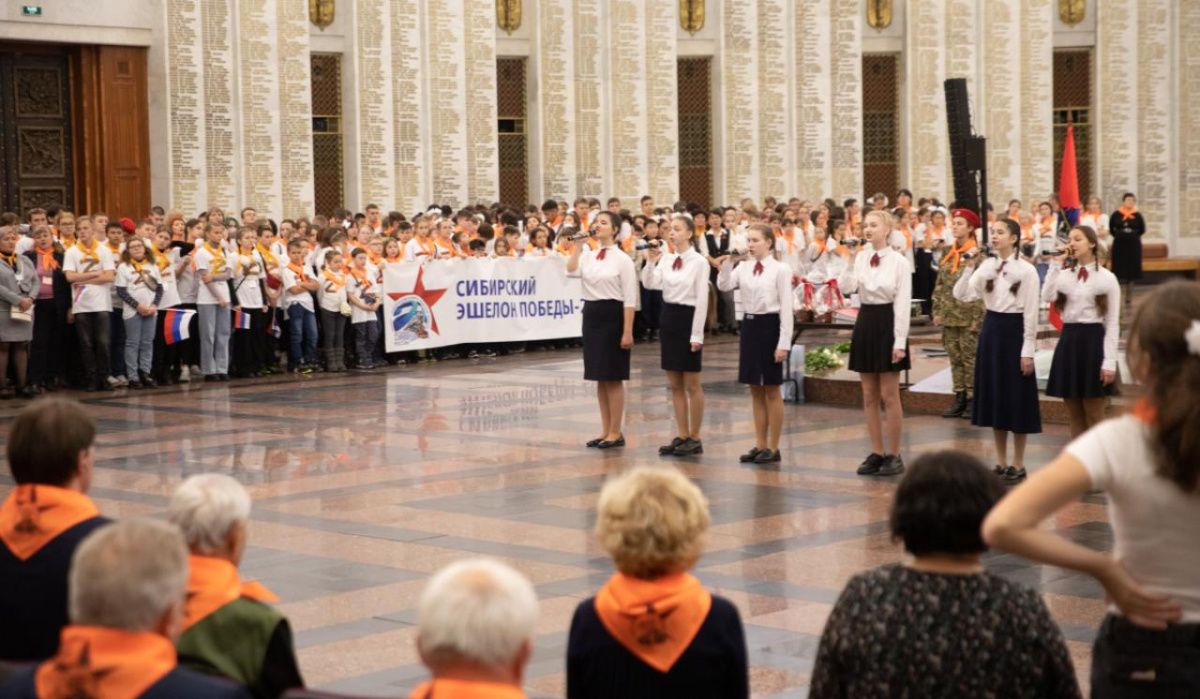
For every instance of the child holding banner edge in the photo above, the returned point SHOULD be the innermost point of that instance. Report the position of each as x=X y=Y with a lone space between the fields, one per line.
x=610 y=294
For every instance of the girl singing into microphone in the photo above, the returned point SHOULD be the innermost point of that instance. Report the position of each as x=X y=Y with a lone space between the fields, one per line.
x=682 y=276
x=1006 y=393
x=766 y=335
x=1088 y=297
x=879 y=346
x=610 y=294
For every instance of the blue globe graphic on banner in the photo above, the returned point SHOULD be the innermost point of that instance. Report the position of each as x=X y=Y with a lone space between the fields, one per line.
x=410 y=320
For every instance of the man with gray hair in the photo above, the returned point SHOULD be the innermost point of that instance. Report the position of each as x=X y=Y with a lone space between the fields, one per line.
x=228 y=627
x=475 y=631
x=126 y=604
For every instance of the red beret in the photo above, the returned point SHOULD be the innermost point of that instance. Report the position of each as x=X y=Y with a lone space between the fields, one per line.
x=971 y=216
x=127 y=225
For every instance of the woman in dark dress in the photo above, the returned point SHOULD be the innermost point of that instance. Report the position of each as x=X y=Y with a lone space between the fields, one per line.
x=653 y=631
x=939 y=625
x=1127 y=228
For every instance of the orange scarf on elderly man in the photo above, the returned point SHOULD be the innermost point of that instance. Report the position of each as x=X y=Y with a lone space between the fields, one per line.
x=656 y=620
x=94 y=661
x=214 y=583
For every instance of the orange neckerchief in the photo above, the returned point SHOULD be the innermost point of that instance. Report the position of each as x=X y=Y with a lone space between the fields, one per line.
x=214 y=583
x=299 y=272
x=33 y=515
x=114 y=249
x=94 y=661
x=461 y=689
x=374 y=258
x=1027 y=233
x=1145 y=411
x=361 y=277
x=248 y=266
x=789 y=234
x=218 y=258
x=160 y=258
x=47 y=258
x=627 y=244
x=656 y=620
x=89 y=251
x=10 y=259
x=335 y=280
x=907 y=238
x=267 y=255
x=445 y=248
x=1045 y=224
x=956 y=253
x=1127 y=213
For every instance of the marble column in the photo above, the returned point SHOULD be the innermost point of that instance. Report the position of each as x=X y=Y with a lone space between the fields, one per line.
x=1117 y=73
x=662 y=102
x=447 y=106
x=295 y=111
x=1001 y=118
x=627 y=112
x=926 y=58
x=1187 y=107
x=411 y=131
x=478 y=33
x=186 y=153
x=811 y=101
x=372 y=41
x=592 y=109
x=774 y=124
x=1155 y=71
x=1037 y=100
x=962 y=61
x=738 y=101
x=222 y=165
x=258 y=76
x=846 y=147
x=556 y=97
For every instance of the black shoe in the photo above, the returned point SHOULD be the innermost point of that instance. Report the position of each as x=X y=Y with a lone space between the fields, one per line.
x=1012 y=474
x=210 y=378
x=749 y=456
x=870 y=466
x=606 y=444
x=669 y=449
x=970 y=406
x=90 y=388
x=222 y=377
x=105 y=386
x=28 y=392
x=135 y=384
x=593 y=443
x=766 y=456
x=148 y=382
x=999 y=469
x=891 y=466
x=960 y=404
x=690 y=447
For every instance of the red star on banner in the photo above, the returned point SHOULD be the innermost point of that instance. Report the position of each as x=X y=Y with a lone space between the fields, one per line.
x=429 y=296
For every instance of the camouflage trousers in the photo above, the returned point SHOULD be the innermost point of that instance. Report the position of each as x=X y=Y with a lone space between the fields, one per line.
x=961 y=343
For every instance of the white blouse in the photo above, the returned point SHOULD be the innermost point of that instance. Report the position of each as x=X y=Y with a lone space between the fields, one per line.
x=610 y=279
x=890 y=281
x=1006 y=273
x=819 y=266
x=770 y=291
x=1081 y=302
x=686 y=286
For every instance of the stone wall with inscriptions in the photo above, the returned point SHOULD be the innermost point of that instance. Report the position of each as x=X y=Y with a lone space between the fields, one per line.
x=738 y=101
x=662 y=110
x=408 y=113
x=447 y=104
x=556 y=90
x=1037 y=106
x=626 y=55
x=846 y=148
x=220 y=108
x=1188 y=106
x=185 y=105
x=774 y=49
x=295 y=110
x=591 y=109
x=1000 y=120
x=373 y=90
x=1154 y=81
x=811 y=108
x=478 y=35
x=258 y=78
x=930 y=149
x=1117 y=74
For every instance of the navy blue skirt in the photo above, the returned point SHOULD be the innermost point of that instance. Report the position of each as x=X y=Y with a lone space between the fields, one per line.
x=603 y=325
x=1005 y=399
x=756 y=355
x=1078 y=358
x=675 y=342
x=872 y=340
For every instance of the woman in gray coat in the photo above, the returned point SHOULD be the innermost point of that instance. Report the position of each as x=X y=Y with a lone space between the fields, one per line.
x=18 y=284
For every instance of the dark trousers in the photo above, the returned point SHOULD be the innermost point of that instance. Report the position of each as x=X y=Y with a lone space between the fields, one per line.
x=1132 y=662
x=116 y=335
x=379 y=353
x=250 y=346
x=93 y=330
x=302 y=336
x=166 y=357
x=366 y=337
x=652 y=300
x=333 y=330
x=49 y=338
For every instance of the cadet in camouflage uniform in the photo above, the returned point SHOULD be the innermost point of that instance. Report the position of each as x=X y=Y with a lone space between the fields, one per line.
x=960 y=322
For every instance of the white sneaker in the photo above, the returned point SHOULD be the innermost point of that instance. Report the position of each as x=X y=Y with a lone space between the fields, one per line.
x=122 y=382
x=114 y=381
x=185 y=375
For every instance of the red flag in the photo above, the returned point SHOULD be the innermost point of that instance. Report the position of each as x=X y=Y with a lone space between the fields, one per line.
x=1055 y=318
x=1068 y=181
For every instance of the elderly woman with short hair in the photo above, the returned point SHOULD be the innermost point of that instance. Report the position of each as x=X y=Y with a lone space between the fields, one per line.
x=475 y=626
x=938 y=624
x=653 y=630
x=229 y=630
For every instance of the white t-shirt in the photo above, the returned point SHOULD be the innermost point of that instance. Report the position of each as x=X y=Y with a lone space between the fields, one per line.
x=1155 y=524
x=170 y=297
x=217 y=290
x=89 y=298
x=331 y=294
x=137 y=286
x=248 y=273
x=357 y=289
x=291 y=279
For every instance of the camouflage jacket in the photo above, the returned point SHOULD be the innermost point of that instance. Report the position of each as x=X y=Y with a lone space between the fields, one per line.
x=950 y=310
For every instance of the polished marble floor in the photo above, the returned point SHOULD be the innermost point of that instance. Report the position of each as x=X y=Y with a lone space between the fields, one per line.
x=364 y=484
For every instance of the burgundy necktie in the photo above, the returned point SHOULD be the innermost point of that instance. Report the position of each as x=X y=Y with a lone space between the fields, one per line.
x=875 y=260
x=758 y=268
x=1001 y=270
x=678 y=264
x=600 y=256
x=1083 y=274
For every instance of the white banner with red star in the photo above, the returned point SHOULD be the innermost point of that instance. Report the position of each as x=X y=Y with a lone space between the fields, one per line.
x=473 y=300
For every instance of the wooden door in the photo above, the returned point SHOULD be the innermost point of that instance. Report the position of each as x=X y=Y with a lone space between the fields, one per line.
x=35 y=129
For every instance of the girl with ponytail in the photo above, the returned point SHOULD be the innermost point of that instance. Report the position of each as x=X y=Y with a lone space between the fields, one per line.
x=1148 y=464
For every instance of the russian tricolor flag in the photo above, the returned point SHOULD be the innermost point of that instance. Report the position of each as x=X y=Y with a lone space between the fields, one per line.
x=175 y=325
x=241 y=319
